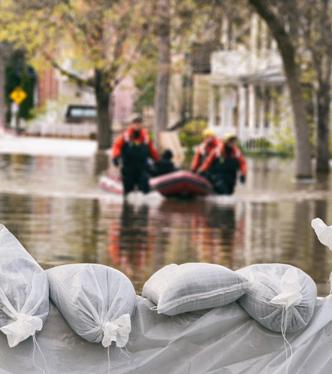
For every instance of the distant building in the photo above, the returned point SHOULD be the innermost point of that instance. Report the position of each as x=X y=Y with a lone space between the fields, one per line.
x=247 y=90
x=236 y=82
x=189 y=89
x=201 y=70
x=48 y=86
x=52 y=86
x=123 y=101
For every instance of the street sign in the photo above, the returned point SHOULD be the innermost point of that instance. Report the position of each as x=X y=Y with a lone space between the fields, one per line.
x=18 y=95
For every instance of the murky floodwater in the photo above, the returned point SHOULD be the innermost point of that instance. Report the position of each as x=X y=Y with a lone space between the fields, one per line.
x=54 y=206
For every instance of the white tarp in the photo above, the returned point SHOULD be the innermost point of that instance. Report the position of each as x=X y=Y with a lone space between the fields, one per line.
x=218 y=341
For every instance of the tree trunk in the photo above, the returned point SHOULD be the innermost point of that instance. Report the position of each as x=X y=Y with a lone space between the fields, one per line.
x=164 y=63
x=302 y=146
x=288 y=55
x=323 y=117
x=104 y=112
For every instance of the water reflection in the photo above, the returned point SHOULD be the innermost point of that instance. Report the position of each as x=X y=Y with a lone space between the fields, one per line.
x=143 y=239
x=101 y=163
x=54 y=230
x=40 y=175
x=53 y=205
x=131 y=242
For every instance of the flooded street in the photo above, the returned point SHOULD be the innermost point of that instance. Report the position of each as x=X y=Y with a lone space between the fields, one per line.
x=54 y=206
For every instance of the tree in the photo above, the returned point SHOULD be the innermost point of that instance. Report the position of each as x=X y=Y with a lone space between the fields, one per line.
x=315 y=24
x=284 y=27
x=307 y=27
x=19 y=74
x=4 y=53
x=102 y=37
x=164 y=64
x=179 y=25
x=145 y=79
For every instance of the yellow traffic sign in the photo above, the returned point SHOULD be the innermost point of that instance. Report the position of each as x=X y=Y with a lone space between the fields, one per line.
x=18 y=95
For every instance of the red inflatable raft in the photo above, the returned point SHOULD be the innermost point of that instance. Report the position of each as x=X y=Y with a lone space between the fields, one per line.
x=181 y=183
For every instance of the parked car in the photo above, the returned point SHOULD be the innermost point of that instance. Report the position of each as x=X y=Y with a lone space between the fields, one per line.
x=81 y=114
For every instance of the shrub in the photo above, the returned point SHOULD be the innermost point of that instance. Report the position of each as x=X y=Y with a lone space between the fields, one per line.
x=191 y=134
x=285 y=142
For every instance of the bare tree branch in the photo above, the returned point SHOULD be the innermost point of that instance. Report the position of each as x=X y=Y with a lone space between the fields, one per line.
x=72 y=76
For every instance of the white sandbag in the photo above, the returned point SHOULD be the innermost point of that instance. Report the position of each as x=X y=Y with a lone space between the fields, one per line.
x=323 y=232
x=280 y=297
x=24 y=301
x=96 y=301
x=188 y=287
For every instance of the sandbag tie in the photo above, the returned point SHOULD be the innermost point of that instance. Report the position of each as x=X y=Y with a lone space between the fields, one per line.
x=323 y=232
x=21 y=328
x=290 y=290
x=117 y=331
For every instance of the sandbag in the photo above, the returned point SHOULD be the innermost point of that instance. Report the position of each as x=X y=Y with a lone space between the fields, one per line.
x=280 y=297
x=323 y=232
x=97 y=301
x=24 y=299
x=189 y=287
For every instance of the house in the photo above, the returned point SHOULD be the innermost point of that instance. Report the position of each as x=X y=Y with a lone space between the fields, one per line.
x=248 y=93
x=56 y=93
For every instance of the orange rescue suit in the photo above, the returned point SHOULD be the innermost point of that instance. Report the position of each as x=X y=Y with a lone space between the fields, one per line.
x=203 y=151
x=127 y=137
x=220 y=152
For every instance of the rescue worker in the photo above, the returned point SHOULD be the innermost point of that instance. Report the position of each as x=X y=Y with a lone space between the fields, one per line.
x=165 y=165
x=225 y=161
x=203 y=151
x=134 y=148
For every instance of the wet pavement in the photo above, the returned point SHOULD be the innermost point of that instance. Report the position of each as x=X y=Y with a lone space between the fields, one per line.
x=54 y=206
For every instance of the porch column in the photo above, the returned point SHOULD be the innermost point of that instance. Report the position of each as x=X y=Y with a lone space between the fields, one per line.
x=242 y=112
x=252 y=108
x=272 y=115
x=261 y=111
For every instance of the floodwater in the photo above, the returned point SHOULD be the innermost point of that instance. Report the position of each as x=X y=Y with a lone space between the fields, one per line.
x=55 y=208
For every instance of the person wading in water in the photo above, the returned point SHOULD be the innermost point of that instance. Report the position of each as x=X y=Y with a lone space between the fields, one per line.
x=223 y=164
x=132 y=150
x=204 y=150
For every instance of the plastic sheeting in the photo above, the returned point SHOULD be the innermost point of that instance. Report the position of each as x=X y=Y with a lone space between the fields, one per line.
x=222 y=340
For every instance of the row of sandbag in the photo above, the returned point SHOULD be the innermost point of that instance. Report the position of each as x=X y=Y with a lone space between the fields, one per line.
x=280 y=297
x=98 y=301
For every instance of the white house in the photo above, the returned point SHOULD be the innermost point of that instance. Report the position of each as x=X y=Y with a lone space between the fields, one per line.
x=248 y=93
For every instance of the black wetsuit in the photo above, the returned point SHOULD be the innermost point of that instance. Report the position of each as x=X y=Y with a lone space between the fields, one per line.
x=135 y=167
x=223 y=173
